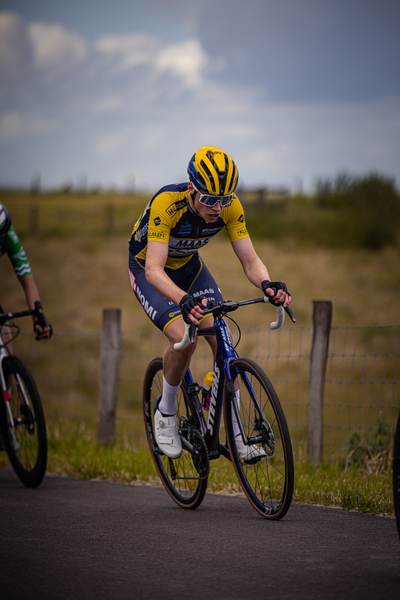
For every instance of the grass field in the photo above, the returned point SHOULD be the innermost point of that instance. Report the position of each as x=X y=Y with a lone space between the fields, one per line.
x=80 y=267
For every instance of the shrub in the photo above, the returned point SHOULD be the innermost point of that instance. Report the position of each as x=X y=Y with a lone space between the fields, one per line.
x=365 y=212
x=374 y=453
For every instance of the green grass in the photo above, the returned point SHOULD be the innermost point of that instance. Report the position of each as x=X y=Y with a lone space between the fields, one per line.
x=363 y=489
x=356 y=488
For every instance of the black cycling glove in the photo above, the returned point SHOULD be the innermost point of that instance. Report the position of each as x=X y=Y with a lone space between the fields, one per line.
x=186 y=304
x=275 y=286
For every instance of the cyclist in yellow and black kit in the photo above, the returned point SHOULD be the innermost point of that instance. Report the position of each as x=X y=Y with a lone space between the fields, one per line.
x=171 y=281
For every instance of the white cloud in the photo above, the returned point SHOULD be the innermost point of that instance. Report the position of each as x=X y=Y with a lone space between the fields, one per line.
x=56 y=50
x=108 y=104
x=15 y=126
x=15 y=47
x=110 y=144
x=128 y=51
x=187 y=60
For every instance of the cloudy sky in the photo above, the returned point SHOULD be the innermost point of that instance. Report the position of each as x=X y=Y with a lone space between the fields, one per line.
x=122 y=93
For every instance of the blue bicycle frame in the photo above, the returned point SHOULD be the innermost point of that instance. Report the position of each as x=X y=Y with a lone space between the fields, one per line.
x=222 y=375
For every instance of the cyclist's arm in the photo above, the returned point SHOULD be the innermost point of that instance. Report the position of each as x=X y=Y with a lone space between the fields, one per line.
x=30 y=289
x=156 y=258
x=254 y=268
x=32 y=295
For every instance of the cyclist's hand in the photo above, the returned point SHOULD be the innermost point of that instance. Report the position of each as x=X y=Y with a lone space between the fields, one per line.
x=191 y=308
x=42 y=333
x=277 y=292
x=42 y=328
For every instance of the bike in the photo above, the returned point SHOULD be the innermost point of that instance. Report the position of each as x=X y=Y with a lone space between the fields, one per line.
x=396 y=475
x=22 y=422
x=267 y=481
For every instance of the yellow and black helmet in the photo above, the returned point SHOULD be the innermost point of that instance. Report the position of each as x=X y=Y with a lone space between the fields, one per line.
x=213 y=171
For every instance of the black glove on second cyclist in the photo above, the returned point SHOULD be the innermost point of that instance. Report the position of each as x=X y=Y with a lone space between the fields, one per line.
x=186 y=305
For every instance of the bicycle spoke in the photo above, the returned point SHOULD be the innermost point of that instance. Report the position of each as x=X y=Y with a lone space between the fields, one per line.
x=23 y=424
x=179 y=476
x=267 y=477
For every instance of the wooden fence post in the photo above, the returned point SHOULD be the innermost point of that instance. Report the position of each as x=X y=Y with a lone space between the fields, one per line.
x=111 y=347
x=322 y=320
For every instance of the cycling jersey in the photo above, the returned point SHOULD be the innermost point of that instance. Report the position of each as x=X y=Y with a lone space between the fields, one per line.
x=16 y=253
x=193 y=278
x=170 y=218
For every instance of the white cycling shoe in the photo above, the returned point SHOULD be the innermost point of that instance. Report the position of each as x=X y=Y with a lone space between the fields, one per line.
x=167 y=436
x=248 y=452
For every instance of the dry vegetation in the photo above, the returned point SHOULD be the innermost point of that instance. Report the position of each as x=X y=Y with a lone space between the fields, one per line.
x=80 y=268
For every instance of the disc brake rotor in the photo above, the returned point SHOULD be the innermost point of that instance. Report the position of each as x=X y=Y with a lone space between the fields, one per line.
x=268 y=438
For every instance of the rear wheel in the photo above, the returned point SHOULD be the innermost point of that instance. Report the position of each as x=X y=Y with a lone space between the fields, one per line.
x=185 y=483
x=23 y=426
x=268 y=481
x=396 y=475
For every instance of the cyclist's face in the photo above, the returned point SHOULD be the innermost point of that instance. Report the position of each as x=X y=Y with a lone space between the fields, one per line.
x=209 y=213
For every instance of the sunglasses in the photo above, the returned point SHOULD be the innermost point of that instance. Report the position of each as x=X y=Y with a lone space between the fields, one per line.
x=209 y=200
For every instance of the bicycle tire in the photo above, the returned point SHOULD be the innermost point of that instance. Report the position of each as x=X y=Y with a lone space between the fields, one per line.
x=396 y=475
x=268 y=483
x=179 y=476
x=25 y=441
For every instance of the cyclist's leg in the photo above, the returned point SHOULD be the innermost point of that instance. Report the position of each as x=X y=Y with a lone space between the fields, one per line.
x=175 y=366
x=195 y=279
x=167 y=317
x=182 y=477
x=205 y=285
x=176 y=363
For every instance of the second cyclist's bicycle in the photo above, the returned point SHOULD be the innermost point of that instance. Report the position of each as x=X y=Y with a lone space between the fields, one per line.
x=243 y=392
x=396 y=474
x=22 y=423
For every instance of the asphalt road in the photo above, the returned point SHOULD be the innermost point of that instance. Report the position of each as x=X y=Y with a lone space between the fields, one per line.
x=86 y=539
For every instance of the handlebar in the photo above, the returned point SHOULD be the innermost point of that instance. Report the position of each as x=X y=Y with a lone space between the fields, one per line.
x=220 y=308
x=37 y=312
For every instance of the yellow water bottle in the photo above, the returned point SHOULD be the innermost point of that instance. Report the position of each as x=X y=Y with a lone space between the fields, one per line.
x=206 y=391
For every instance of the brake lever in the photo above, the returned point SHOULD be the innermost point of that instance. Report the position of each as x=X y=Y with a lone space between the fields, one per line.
x=289 y=312
x=287 y=308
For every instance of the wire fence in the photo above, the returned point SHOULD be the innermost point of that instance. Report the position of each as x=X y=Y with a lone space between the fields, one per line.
x=362 y=386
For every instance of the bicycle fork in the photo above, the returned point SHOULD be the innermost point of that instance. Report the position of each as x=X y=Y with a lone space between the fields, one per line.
x=266 y=436
x=6 y=395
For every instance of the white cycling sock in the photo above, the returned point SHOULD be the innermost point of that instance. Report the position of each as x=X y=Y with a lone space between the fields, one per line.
x=235 y=425
x=167 y=404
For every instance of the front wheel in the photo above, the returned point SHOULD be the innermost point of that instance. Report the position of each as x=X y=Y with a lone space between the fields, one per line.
x=267 y=477
x=185 y=483
x=396 y=475
x=22 y=423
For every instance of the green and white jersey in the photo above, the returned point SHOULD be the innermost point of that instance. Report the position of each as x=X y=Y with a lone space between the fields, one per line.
x=16 y=253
